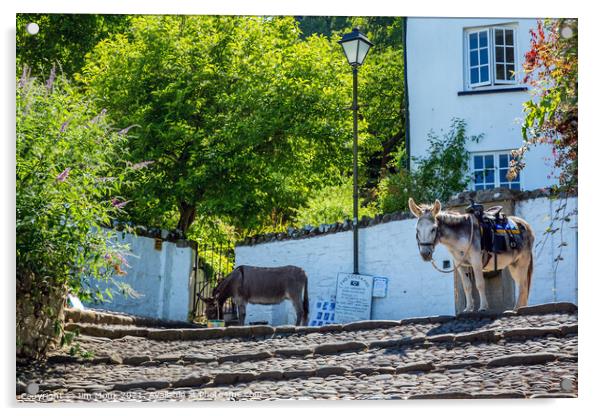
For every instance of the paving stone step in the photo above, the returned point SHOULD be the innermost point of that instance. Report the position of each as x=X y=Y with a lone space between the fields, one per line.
x=486 y=336
x=120 y=326
x=503 y=382
x=492 y=355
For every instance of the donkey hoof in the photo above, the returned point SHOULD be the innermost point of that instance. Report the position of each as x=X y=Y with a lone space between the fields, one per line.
x=468 y=310
x=483 y=309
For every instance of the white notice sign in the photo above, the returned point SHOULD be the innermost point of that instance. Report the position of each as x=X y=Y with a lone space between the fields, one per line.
x=379 y=287
x=354 y=297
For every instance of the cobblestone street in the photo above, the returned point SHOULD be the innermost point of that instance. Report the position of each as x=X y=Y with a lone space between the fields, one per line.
x=529 y=354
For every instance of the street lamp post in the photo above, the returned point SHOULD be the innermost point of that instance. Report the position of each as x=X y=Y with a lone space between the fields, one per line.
x=356 y=46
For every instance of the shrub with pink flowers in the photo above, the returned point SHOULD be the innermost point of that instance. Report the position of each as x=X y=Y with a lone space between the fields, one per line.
x=69 y=170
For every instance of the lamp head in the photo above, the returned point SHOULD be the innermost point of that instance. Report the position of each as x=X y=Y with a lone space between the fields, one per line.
x=356 y=46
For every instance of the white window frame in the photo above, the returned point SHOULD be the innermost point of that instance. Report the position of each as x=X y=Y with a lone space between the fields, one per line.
x=473 y=169
x=493 y=81
x=467 y=49
x=496 y=167
x=492 y=51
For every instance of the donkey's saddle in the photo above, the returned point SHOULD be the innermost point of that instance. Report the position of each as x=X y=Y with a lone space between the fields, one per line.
x=498 y=232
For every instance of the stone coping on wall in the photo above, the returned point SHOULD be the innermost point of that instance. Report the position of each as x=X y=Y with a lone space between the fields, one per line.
x=171 y=236
x=460 y=199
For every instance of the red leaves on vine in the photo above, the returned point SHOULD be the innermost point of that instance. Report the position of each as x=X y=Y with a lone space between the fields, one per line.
x=551 y=117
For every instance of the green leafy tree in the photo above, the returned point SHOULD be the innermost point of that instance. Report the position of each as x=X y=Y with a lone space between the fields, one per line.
x=437 y=176
x=239 y=115
x=383 y=31
x=63 y=39
x=383 y=112
x=322 y=25
x=68 y=178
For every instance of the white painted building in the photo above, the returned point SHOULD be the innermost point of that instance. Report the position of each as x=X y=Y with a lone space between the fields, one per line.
x=471 y=68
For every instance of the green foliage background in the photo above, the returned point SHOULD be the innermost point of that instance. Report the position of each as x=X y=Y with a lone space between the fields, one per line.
x=239 y=121
x=244 y=120
x=63 y=40
x=437 y=176
x=332 y=204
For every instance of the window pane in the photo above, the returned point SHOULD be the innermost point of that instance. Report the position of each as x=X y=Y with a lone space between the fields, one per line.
x=478 y=187
x=499 y=71
x=499 y=54
x=503 y=161
x=489 y=186
x=499 y=36
x=489 y=161
x=515 y=185
x=509 y=72
x=490 y=176
x=504 y=185
x=473 y=41
x=484 y=56
x=509 y=37
x=504 y=175
x=485 y=73
x=474 y=58
x=474 y=75
x=478 y=162
x=478 y=177
x=483 y=39
x=510 y=55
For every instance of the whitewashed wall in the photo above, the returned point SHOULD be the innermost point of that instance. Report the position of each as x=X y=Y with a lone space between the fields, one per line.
x=553 y=281
x=435 y=65
x=389 y=250
x=162 y=278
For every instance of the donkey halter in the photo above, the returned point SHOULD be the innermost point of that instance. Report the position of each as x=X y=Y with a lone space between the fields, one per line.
x=432 y=243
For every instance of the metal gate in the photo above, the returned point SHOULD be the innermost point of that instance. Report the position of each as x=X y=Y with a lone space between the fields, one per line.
x=213 y=262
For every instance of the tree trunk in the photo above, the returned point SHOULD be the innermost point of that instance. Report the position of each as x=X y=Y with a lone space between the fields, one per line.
x=40 y=315
x=187 y=216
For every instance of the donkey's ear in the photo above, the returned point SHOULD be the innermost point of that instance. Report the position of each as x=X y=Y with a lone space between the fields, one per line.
x=207 y=300
x=436 y=208
x=414 y=209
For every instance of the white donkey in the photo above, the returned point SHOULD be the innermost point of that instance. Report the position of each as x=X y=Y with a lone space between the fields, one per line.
x=461 y=234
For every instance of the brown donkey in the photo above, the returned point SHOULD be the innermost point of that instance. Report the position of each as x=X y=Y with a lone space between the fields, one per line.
x=263 y=286
x=461 y=233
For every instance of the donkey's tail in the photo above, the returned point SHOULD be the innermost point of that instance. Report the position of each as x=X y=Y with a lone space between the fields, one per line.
x=305 y=303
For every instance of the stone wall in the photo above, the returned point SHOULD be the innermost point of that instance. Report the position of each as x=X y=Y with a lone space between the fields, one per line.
x=388 y=248
x=161 y=274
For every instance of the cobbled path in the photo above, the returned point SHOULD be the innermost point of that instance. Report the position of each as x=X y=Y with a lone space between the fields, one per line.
x=529 y=354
